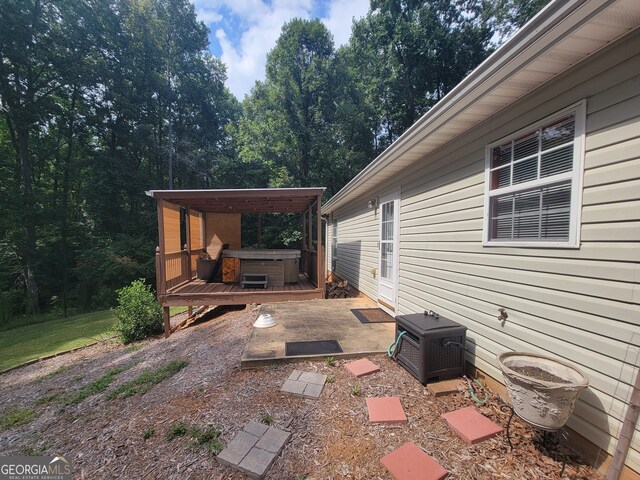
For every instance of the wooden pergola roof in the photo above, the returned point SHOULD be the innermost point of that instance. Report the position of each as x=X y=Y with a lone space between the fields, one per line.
x=254 y=200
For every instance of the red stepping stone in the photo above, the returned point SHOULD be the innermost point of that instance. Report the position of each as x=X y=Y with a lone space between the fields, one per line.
x=471 y=425
x=386 y=410
x=410 y=462
x=362 y=367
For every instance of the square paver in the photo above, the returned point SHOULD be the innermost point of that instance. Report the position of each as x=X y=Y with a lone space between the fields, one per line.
x=254 y=454
x=471 y=425
x=386 y=410
x=237 y=448
x=410 y=462
x=313 y=390
x=312 y=377
x=362 y=367
x=257 y=462
x=273 y=440
x=256 y=428
x=304 y=384
x=293 y=387
x=445 y=387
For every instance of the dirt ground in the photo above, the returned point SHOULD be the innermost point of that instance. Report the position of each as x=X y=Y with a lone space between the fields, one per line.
x=332 y=438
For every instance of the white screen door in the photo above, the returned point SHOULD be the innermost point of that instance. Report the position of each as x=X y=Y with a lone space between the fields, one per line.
x=388 y=265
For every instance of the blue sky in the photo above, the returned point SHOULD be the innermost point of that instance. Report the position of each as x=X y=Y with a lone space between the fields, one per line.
x=242 y=32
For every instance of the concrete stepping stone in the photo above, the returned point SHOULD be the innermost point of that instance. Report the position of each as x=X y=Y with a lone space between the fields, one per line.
x=304 y=384
x=445 y=387
x=410 y=462
x=385 y=410
x=254 y=448
x=362 y=367
x=471 y=425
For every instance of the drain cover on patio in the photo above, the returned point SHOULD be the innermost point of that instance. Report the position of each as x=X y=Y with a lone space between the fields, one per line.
x=316 y=347
x=372 y=315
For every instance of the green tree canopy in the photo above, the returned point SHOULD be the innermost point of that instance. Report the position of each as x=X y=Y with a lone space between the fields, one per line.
x=408 y=54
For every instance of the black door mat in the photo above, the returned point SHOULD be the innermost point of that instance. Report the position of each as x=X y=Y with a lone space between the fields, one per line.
x=317 y=347
x=372 y=315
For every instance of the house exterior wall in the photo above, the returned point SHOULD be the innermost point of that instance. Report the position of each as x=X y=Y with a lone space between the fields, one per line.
x=579 y=304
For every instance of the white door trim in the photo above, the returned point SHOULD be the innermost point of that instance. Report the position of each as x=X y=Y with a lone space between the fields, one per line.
x=388 y=288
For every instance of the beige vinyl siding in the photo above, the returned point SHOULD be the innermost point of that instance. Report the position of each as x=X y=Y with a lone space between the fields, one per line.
x=579 y=304
x=357 y=249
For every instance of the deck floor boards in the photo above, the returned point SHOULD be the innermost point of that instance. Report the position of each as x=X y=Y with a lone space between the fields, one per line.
x=198 y=286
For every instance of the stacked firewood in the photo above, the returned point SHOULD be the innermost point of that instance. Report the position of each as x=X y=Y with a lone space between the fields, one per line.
x=339 y=289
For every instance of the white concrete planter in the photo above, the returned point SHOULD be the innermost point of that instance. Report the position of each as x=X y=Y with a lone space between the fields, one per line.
x=543 y=404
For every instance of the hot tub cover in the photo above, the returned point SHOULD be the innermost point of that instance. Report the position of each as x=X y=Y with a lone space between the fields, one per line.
x=261 y=254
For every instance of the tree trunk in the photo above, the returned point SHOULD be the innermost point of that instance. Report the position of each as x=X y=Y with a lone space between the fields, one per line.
x=64 y=224
x=22 y=134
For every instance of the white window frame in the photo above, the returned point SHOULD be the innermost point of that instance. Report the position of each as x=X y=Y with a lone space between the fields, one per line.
x=575 y=175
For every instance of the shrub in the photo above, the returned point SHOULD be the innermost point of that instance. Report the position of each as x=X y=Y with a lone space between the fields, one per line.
x=138 y=314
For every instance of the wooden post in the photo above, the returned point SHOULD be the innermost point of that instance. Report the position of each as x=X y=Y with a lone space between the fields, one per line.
x=161 y=282
x=304 y=231
x=189 y=310
x=188 y=245
x=310 y=226
x=303 y=257
x=158 y=272
x=167 y=323
x=319 y=249
x=259 y=236
x=185 y=264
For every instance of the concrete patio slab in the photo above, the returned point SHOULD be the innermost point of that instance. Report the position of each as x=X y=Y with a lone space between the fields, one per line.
x=316 y=320
x=254 y=449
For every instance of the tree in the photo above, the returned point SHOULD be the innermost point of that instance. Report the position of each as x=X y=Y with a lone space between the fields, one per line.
x=408 y=54
x=509 y=15
x=86 y=87
x=305 y=123
x=42 y=46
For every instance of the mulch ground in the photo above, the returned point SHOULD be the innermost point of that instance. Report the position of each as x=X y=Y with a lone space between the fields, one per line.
x=332 y=438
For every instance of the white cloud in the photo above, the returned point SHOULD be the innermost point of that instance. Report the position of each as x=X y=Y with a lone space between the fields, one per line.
x=260 y=23
x=341 y=15
x=208 y=16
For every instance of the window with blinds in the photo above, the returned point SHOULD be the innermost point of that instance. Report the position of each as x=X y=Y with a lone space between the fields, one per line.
x=533 y=179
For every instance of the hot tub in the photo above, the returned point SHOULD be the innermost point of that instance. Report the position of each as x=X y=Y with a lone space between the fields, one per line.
x=280 y=266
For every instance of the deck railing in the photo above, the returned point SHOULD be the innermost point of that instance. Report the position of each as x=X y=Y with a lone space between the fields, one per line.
x=177 y=268
x=309 y=260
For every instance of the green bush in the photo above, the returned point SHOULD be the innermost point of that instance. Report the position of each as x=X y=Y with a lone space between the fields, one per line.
x=138 y=314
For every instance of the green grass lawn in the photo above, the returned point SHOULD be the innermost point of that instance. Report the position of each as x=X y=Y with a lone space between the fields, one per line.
x=22 y=344
x=176 y=310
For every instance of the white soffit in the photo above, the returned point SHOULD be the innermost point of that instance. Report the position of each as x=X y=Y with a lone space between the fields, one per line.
x=561 y=35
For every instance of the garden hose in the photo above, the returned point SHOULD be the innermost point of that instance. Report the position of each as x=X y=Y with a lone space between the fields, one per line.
x=472 y=393
x=392 y=351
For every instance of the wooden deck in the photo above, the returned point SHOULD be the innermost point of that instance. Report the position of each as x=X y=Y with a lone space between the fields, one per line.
x=199 y=292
